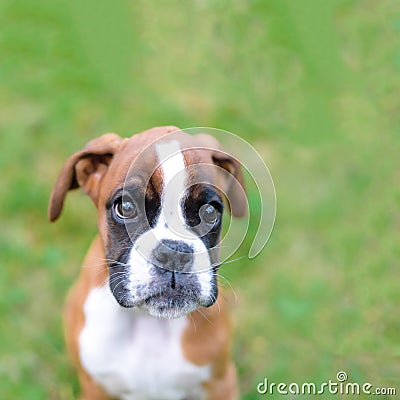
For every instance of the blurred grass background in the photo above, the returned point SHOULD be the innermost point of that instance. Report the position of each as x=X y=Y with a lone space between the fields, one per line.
x=313 y=85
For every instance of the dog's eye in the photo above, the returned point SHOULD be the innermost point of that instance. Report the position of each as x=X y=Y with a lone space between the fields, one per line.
x=208 y=213
x=125 y=209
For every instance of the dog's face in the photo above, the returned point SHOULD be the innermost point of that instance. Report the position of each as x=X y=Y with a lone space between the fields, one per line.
x=160 y=202
x=160 y=228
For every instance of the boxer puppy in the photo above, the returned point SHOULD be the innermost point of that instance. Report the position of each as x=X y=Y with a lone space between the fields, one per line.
x=143 y=321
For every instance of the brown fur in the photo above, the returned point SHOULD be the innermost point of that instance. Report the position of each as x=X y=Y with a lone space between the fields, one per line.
x=207 y=340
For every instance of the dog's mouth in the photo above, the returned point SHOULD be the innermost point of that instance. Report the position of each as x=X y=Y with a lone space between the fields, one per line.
x=166 y=295
x=168 y=303
x=171 y=303
x=174 y=303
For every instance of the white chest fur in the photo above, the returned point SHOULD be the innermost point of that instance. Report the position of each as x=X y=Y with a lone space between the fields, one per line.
x=136 y=356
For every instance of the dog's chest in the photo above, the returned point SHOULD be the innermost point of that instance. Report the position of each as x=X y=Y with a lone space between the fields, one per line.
x=136 y=356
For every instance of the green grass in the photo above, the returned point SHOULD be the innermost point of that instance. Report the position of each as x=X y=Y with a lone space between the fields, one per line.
x=313 y=85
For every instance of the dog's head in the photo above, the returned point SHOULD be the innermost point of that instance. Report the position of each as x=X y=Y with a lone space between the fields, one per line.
x=159 y=196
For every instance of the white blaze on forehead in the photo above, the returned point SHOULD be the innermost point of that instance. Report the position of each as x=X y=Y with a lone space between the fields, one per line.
x=172 y=164
x=171 y=160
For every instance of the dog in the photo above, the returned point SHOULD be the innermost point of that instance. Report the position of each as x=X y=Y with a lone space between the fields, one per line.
x=143 y=321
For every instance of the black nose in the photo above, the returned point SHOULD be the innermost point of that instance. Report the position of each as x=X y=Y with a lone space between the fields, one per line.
x=173 y=255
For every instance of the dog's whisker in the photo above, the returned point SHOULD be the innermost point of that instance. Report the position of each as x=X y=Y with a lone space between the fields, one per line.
x=216 y=285
x=110 y=260
x=230 y=285
x=120 y=273
x=118 y=276
x=216 y=302
x=119 y=283
x=233 y=260
x=98 y=272
x=126 y=297
x=204 y=316
x=221 y=283
x=105 y=282
x=102 y=264
x=116 y=279
x=107 y=259
x=194 y=322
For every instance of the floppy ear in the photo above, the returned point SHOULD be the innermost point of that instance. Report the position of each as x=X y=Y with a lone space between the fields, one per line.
x=232 y=182
x=86 y=168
